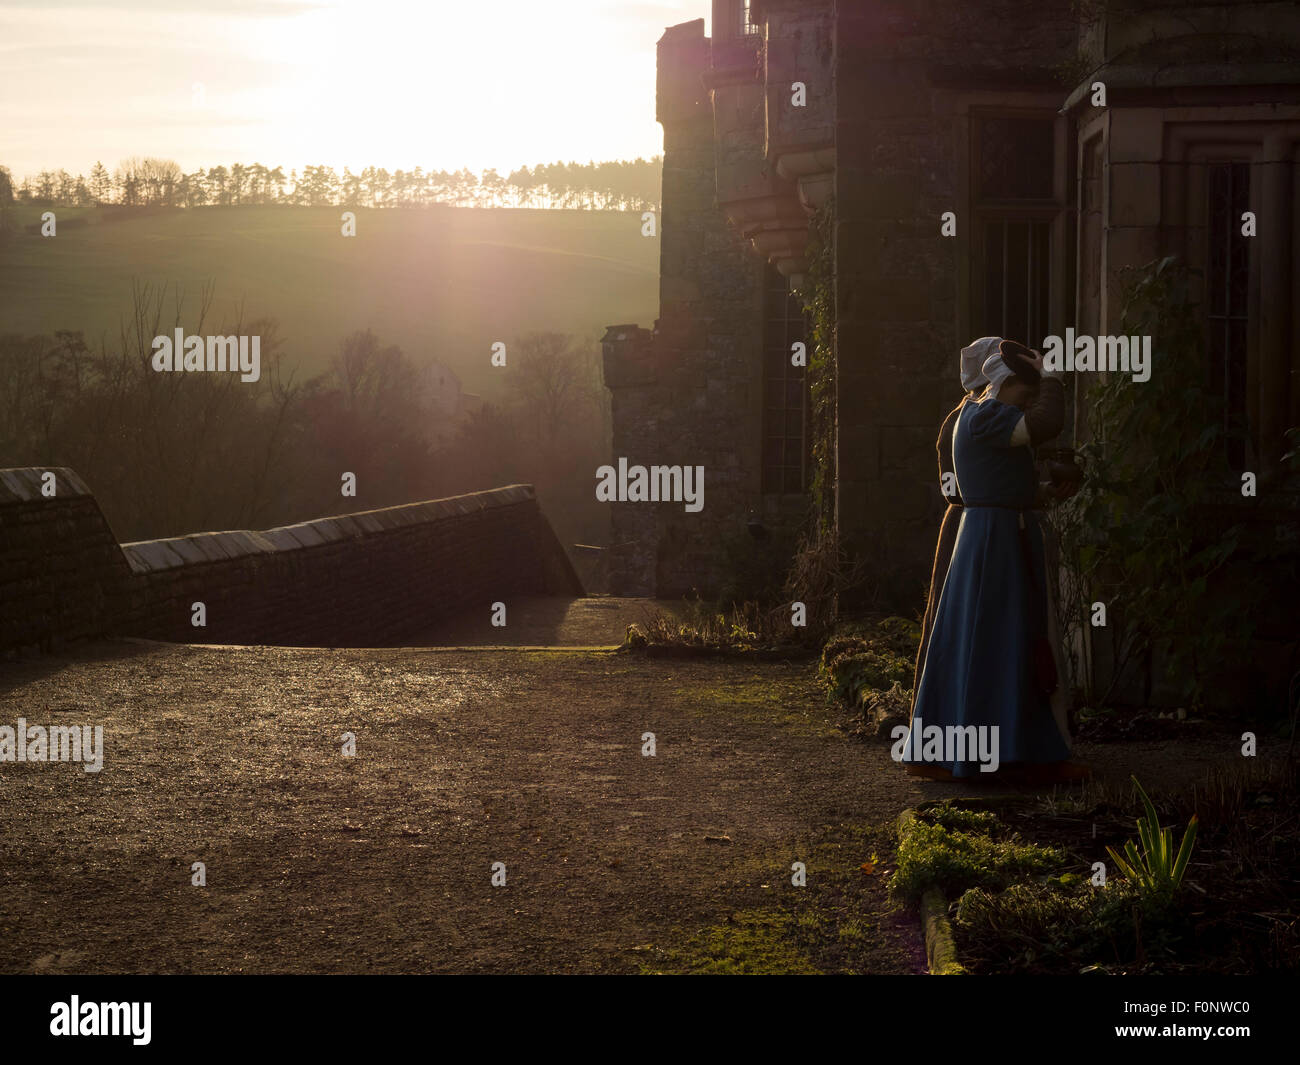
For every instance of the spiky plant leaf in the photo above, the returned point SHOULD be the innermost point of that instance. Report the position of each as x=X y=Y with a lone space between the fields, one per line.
x=1122 y=865
x=1185 y=851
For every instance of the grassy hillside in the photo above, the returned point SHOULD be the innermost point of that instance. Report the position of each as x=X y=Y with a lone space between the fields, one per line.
x=443 y=282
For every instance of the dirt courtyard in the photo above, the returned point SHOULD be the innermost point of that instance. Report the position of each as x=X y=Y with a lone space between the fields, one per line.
x=383 y=862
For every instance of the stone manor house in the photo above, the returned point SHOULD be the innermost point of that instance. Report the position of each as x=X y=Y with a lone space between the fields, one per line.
x=913 y=108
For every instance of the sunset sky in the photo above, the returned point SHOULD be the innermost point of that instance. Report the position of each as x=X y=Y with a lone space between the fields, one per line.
x=392 y=83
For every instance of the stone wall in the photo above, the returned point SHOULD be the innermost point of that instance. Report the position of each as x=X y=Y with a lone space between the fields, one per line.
x=900 y=69
x=62 y=573
x=366 y=579
x=1190 y=86
x=881 y=81
x=897 y=91
x=690 y=392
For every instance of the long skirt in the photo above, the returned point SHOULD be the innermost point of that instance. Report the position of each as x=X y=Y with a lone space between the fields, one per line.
x=942 y=558
x=978 y=668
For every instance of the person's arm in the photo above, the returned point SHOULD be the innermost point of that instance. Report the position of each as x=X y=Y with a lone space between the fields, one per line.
x=1044 y=417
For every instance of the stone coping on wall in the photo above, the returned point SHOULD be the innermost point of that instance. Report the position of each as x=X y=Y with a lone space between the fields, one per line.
x=23 y=484
x=150 y=556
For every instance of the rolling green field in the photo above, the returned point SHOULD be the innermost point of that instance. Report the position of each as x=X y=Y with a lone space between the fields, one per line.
x=440 y=283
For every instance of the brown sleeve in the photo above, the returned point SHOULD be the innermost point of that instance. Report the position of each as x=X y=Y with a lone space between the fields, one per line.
x=943 y=447
x=1045 y=417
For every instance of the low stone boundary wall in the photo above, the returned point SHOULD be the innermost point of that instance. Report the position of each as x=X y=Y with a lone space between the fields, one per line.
x=369 y=578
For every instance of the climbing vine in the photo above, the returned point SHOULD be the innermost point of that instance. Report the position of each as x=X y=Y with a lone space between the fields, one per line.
x=819 y=298
x=1136 y=536
x=819 y=572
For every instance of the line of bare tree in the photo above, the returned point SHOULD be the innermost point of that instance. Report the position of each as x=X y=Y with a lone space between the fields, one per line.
x=616 y=185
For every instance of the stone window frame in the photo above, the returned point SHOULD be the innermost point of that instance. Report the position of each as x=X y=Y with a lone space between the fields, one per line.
x=1193 y=140
x=1223 y=236
x=733 y=20
x=1014 y=212
x=967 y=107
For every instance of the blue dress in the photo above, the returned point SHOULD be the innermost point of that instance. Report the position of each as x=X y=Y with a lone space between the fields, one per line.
x=979 y=667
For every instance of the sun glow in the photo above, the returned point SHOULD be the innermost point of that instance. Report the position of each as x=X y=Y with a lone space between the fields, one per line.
x=460 y=84
x=392 y=83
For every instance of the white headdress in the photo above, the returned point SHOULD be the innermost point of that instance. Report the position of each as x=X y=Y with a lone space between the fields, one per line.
x=996 y=372
x=973 y=358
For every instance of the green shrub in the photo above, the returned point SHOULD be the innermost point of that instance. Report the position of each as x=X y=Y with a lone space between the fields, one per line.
x=954 y=817
x=1075 y=925
x=953 y=860
x=1145 y=534
x=882 y=654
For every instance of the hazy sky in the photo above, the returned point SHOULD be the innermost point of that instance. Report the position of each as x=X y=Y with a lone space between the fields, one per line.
x=392 y=83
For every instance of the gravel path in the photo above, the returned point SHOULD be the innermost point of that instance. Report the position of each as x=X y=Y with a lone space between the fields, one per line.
x=382 y=862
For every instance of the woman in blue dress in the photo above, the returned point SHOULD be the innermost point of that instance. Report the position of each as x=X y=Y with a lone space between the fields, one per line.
x=973 y=358
x=985 y=698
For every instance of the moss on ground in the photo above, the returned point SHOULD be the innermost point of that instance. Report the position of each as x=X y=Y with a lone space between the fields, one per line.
x=751 y=942
x=793 y=705
x=842 y=922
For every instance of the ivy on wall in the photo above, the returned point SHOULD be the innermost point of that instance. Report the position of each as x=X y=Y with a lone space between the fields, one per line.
x=819 y=299
x=818 y=572
x=1136 y=536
